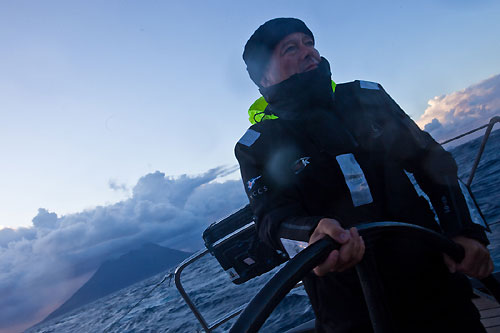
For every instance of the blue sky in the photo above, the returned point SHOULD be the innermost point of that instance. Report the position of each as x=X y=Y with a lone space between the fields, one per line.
x=94 y=92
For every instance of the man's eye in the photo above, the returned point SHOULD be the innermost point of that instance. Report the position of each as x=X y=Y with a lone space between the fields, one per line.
x=290 y=49
x=309 y=42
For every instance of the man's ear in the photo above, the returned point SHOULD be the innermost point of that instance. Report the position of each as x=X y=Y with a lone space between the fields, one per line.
x=264 y=82
x=266 y=79
x=268 y=76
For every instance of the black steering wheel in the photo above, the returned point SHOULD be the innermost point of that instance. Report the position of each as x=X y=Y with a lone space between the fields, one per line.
x=262 y=305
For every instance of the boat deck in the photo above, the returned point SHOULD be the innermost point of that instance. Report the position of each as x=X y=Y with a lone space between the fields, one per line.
x=490 y=313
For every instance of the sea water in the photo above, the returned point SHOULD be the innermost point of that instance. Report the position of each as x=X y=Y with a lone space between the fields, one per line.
x=163 y=310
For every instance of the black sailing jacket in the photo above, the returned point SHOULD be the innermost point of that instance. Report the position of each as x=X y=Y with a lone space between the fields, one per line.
x=344 y=155
x=293 y=179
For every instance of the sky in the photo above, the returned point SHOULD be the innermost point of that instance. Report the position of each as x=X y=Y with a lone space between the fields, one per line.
x=94 y=95
x=118 y=119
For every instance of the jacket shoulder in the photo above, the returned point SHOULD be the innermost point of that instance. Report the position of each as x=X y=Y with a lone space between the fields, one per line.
x=258 y=136
x=361 y=94
x=359 y=85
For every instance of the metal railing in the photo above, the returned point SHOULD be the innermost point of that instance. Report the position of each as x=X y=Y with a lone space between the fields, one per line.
x=206 y=326
x=218 y=322
x=178 y=284
x=489 y=128
x=210 y=327
x=487 y=133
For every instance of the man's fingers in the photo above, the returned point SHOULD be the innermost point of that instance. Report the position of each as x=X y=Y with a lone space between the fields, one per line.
x=360 y=244
x=352 y=252
x=452 y=266
x=483 y=268
x=333 y=258
x=342 y=266
x=477 y=262
x=486 y=269
x=333 y=229
x=483 y=271
x=347 y=251
x=326 y=266
x=491 y=267
x=468 y=265
x=363 y=248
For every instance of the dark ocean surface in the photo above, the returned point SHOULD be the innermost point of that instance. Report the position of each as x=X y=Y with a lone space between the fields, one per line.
x=163 y=310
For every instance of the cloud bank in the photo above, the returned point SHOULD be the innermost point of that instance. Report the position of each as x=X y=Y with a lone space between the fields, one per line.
x=450 y=115
x=41 y=266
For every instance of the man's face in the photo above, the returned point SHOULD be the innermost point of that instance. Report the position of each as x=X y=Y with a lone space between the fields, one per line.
x=294 y=54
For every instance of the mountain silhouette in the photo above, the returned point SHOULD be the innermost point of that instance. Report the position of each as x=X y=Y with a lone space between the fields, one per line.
x=122 y=272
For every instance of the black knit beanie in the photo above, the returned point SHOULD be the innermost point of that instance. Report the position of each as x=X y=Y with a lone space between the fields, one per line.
x=260 y=46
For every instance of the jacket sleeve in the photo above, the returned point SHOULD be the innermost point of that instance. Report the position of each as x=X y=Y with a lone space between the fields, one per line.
x=435 y=171
x=277 y=207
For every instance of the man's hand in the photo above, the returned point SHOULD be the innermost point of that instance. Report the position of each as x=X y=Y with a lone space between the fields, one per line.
x=351 y=252
x=477 y=261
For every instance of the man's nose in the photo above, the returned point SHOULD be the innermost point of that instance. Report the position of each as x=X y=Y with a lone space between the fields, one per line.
x=307 y=51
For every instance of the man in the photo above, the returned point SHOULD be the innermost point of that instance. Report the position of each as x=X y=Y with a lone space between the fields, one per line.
x=322 y=158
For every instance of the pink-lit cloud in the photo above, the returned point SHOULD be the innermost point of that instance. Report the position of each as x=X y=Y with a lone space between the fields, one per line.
x=461 y=111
